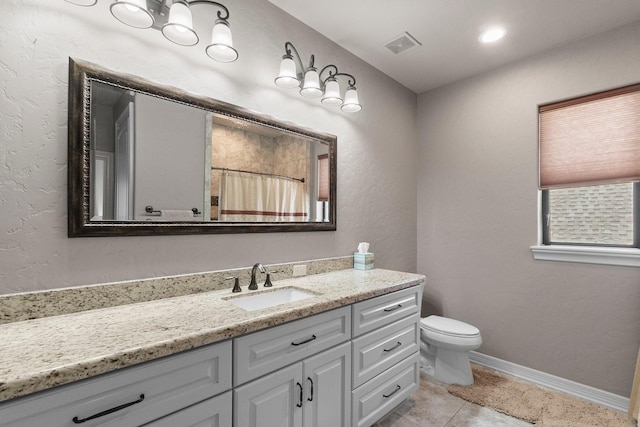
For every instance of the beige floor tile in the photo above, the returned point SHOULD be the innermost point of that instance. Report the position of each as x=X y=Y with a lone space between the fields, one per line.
x=477 y=416
x=433 y=406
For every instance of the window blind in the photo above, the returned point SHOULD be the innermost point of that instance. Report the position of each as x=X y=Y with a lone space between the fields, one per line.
x=323 y=178
x=590 y=140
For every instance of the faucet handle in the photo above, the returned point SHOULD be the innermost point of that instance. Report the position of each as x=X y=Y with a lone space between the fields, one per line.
x=267 y=282
x=236 y=284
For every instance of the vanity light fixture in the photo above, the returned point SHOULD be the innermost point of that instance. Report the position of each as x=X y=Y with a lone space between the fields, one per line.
x=311 y=83
x=175 y=22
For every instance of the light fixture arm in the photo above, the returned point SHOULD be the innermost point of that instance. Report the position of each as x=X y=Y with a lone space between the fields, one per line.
x=220 y=5
x=336 y=73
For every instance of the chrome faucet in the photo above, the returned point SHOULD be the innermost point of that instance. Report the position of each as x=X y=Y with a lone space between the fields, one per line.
x=257 y=266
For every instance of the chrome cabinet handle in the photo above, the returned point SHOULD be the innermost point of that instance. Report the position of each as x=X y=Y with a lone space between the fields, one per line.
x=398 y=344
x=76 y=420
x=387 y=310
x=393 y=392
x=313 y=337
x=299 y=404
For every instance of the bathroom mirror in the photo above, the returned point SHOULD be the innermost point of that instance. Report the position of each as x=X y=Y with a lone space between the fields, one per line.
x=148 y=159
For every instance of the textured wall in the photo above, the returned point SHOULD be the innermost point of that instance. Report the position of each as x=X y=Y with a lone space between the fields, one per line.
x=477 y=204
x=376 y=148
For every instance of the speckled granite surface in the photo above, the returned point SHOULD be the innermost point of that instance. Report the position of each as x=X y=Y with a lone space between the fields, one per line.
x=42 y=353
x=34 y=305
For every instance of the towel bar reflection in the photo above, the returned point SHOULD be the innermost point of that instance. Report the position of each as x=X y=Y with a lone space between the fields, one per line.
x=153 y=212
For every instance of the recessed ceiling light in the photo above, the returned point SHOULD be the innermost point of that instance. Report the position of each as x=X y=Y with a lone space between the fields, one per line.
x=493 y=35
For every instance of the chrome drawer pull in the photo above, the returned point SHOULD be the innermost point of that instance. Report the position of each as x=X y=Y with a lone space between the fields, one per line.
x=108 y=411
x=393 y=392
x=394 y=347
x=313 y=337
x=393 y=308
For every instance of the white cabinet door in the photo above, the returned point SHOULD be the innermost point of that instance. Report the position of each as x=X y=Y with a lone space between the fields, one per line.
x=328 y=388
x=274 y=400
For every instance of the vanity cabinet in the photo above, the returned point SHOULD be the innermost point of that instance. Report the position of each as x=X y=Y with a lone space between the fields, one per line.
x=312 y=393
x=133 y=396
x=346 y=367
x=299 y=373
x=290 y=376
x=385 y=353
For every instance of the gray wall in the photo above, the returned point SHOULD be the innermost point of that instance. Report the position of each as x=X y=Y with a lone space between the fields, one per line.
x=477 y=218
x=376 y=147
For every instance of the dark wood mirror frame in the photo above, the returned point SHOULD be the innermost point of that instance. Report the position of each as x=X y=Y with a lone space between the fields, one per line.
x=81 y=74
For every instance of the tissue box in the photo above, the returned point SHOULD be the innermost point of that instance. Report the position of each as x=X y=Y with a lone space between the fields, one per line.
x=363 y=261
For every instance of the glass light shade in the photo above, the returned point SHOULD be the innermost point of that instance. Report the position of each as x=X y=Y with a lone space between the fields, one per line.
x=132 y=12
x=221 y=47
x=332 y=93
x=82 y=2
x=179 y=28
x=351 y=103
x=311 y=85
x=288 y=76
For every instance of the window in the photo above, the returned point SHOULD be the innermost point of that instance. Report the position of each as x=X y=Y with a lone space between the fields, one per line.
x=600 y=215
x=589 y=173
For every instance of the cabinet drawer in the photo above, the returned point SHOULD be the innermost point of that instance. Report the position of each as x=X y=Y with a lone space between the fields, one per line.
x=214 y=412
x=377 y=312
x=381 y=349
x=374 y=399
x=265 y=351
x=168 y=385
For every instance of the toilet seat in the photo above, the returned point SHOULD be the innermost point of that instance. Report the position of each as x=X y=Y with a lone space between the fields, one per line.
x=449 y=327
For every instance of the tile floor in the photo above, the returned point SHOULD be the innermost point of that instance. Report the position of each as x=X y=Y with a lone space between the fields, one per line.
x=433 y=406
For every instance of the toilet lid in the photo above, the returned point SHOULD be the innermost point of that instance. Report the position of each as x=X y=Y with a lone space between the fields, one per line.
x=444 y=325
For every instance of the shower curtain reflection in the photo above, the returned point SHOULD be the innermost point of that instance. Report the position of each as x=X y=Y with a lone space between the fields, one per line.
x=246 y=197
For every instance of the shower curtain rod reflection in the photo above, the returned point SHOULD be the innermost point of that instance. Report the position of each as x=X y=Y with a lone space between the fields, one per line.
x=257 y=173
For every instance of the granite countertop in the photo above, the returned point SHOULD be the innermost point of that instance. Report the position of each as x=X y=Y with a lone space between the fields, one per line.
x=42 y=353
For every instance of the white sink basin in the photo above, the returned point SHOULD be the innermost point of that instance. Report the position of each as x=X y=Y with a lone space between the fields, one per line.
x=268 y=299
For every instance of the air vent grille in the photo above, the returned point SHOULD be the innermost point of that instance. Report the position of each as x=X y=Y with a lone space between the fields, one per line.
x=402 y=43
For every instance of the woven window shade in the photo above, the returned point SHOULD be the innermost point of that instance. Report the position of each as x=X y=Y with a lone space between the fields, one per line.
x=323 y=178
x=591 y=140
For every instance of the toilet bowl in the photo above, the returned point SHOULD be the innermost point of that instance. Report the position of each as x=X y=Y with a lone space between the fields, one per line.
x=444 y=349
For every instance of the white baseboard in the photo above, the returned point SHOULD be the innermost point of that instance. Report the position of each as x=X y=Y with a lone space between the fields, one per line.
x=585 y=392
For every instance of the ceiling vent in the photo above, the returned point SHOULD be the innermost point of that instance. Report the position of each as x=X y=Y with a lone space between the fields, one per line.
x=402 y=43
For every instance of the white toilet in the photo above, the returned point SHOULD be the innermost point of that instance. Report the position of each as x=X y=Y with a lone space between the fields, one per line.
x=444 y=349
